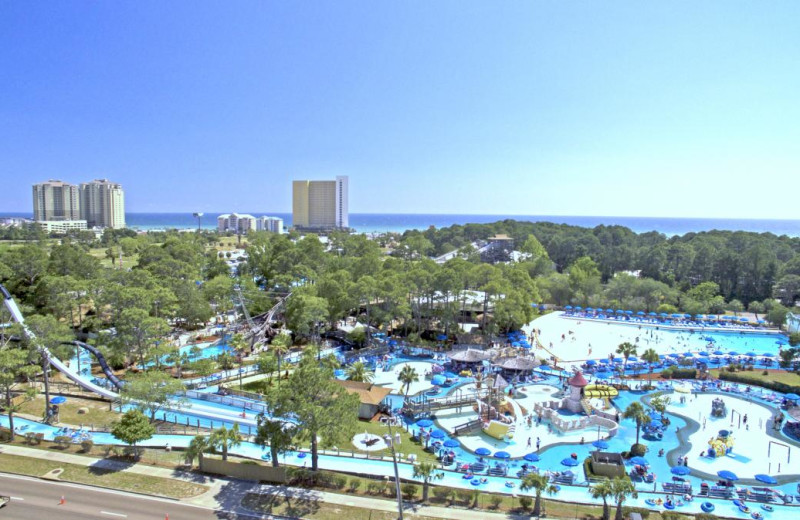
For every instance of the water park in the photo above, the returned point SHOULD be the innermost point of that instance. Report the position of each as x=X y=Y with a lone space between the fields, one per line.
x=555 y=398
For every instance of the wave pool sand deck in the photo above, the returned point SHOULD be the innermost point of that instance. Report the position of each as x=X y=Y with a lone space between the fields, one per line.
x=604 y=336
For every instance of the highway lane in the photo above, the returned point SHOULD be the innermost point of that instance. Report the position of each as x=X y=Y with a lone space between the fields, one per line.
x=40 y=499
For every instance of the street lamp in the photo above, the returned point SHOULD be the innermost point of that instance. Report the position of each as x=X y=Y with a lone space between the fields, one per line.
x=198 y=216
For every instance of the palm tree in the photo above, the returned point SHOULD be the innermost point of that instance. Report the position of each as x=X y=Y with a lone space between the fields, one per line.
x=238 y=344
x=622 y=489
x=627 y=350
x=651 y=357
x=197 y=448
x=426 y=471
x=539 y=484
x=636 y=412
x=358 y=371
x=330 y=362
x=225 y=438
x=280 y=347
x=407 y=376
x=603 y=489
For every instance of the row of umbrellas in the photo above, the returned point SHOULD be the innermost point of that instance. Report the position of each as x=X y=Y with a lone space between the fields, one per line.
x=661 y=314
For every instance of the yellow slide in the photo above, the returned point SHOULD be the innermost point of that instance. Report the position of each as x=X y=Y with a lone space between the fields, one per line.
x=497 y=429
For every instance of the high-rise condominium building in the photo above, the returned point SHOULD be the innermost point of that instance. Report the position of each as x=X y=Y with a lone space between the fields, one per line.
x=320 y=204
x=56 y=200
x=271 y=224
x=103 y=204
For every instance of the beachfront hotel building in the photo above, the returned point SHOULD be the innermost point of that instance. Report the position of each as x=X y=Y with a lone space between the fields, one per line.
x=235 y=222
x=102 y=204
x=320 y=205
x=271 y=224
x=56 y=200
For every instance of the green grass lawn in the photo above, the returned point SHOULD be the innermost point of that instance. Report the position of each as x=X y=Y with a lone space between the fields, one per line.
x=757 y=376
x=97 y=414
x=127 y=261
x=104 y=478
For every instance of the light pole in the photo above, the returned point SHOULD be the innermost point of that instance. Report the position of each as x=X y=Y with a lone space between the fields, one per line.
x=198 y=216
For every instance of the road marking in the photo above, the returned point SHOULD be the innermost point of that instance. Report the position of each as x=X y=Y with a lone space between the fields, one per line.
x=113 y=514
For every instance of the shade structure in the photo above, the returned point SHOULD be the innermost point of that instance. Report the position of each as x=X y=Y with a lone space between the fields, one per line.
x=424 y=423
x=502 y=455
x=450 y=443
x=640 y=461
x=766 y=479
x=792 y=397
x=680 y=470
x=531 y=457
x=59 y=399
x=600 y=444
x=438 y=379
x=727 y=475
x=569 y=461
x=438 y=434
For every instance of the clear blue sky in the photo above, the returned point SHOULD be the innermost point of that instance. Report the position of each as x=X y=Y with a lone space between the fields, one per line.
x=678 y=108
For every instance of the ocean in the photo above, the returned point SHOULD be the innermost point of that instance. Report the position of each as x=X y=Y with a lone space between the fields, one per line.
x=395 y=222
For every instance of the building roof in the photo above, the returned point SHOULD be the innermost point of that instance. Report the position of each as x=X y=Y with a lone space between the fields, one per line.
x=516 y=363
x=499 y=382
x=470 y=355
x=367 y=392
x=500 y=237
x=578 y=380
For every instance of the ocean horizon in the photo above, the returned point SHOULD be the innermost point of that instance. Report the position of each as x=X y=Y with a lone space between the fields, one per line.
x=399 y=222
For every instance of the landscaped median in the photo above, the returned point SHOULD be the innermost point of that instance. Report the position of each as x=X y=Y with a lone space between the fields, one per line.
x=113 y=479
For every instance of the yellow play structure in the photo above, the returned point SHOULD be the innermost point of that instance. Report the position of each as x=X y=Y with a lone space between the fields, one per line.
x=603 y=391
x=498 y=429
x=720 y=445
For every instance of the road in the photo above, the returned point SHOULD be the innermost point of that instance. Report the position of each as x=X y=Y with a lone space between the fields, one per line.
x=40 y=499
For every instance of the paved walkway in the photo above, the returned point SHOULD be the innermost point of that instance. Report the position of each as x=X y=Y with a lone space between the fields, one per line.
x=226 y=494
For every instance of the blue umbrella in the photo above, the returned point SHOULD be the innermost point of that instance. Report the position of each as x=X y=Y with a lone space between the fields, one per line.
x=663 y=314
x=589 y=309
x=750 y=354
x=578 y=308
x=687 y=316
x=727 y=475
x=719 y=353
x=688 y=354
x=424 y=423
x=766 y=479
x=609 y=311
x=640 y=461
x=601 y=445
x=654 y=415
x=438 y=434
x=619 y=311
x=674 y=355
x=652 y=314
x=569 y=461
x=618 y=360
x=451 y=443
x=392 y=342
x=744 y=319
x=640 y=313
x=733 y=353
x=628 y=312
x=450 y=375
x=792 y=397
x=531 y=457
x=59 y=399
x=438 y=379
x=482 y=452
x=502 y=455
x=591 y=363
x=768 y=354
x=441 y=337
x=680 y=470
x=655 y=424
x=568 y=307
x=633 y=358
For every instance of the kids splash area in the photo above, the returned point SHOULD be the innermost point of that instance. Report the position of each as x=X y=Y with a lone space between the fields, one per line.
x=550 y=399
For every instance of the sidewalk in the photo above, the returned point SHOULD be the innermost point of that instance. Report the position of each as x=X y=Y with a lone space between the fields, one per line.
x=226 y=493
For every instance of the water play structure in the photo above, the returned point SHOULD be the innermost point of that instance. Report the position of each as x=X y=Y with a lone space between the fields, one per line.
x=720 y=445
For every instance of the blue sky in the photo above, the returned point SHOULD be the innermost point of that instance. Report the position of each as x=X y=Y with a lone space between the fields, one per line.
x=677 y=108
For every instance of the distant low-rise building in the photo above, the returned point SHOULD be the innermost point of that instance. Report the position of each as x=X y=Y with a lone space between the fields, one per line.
x=61 y=227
